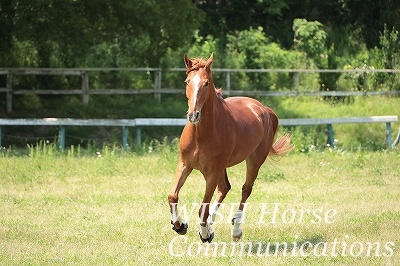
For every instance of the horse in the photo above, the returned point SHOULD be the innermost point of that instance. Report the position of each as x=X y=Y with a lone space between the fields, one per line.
x=221 y=133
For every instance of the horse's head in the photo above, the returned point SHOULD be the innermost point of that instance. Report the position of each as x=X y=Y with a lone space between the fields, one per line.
x=199 y=85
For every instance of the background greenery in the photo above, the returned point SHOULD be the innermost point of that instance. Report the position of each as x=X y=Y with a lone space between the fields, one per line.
x=335 y=34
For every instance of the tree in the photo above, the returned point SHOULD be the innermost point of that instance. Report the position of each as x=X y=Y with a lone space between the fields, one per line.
x=62 y=32
x=342 y=17
x=371 y=16
x=310 y=37
x=389 y=55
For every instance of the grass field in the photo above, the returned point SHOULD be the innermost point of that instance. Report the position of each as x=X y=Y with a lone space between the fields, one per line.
x=110 y=208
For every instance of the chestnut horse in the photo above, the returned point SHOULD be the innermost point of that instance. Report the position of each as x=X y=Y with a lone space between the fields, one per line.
x=221 y=133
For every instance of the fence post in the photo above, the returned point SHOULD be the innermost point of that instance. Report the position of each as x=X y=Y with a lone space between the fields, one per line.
x=61 y=138
x=139 y=137
x=85 y=88
x=389 y=135
x=124 y=137
x=157 y=84
x=9 y=93
x=228 y=83
x=365 y=81
x=296 y=81
x=331 y=137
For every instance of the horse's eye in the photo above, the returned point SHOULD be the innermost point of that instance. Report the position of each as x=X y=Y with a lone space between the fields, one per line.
x=206 y=84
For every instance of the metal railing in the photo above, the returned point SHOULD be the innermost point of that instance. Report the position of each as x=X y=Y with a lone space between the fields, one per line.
x=138 y=123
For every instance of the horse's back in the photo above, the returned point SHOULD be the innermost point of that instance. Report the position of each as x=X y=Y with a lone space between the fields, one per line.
x=250 y=111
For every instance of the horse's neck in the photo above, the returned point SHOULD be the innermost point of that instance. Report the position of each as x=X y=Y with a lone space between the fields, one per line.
x=209 y=112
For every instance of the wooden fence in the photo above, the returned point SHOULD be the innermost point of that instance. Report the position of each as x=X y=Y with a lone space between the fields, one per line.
x=158 y=88
x=138 y=123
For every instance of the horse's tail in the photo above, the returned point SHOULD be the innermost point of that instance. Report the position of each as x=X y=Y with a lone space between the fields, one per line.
x=282 y=145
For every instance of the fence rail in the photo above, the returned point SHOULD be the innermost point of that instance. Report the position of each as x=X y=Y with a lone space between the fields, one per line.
x=138 y=123
x=158 y=88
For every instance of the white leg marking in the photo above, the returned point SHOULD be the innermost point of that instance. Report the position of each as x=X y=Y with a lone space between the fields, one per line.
x=236 y=230
x=206 y=231
x=212 y=211
x=176 y=218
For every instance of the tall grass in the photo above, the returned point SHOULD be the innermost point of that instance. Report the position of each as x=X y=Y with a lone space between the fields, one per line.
x=108 y=207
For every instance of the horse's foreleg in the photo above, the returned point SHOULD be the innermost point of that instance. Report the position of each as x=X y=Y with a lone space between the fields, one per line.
x=206 y=233
x=223 y=188
x=182 y=172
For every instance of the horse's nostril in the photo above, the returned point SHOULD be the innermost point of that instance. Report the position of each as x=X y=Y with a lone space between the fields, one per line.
x=194 y=117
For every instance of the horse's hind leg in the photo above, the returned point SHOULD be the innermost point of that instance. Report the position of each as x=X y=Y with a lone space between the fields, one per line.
x=253 y=164
x=182 y=172
x=251 y=176
x=223 y=188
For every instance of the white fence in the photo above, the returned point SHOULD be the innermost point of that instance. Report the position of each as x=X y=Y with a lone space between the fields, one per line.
x=138 y=123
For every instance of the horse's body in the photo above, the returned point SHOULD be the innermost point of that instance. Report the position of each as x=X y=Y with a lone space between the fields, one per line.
x=221 y=133
x=216 y=143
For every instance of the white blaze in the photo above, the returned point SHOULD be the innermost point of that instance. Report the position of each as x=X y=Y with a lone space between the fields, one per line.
x=196 y=81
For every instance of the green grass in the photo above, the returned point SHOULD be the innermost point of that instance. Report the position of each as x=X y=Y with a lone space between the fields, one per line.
x=110 y=208
x=369 y=136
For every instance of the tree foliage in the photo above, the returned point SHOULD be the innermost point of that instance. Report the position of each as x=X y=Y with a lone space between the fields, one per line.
x=310 y=37
x=276 y=17
x=72 y=33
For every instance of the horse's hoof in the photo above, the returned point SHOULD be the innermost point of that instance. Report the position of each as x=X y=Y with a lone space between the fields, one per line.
x=236 y=231
x=204 y=240
x=237 y=238
x=182 y=230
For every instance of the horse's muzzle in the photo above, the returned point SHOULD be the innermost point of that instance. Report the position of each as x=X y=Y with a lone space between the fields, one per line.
x=194 y=117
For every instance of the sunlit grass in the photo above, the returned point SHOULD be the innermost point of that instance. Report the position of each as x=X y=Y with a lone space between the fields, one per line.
x=110 y=208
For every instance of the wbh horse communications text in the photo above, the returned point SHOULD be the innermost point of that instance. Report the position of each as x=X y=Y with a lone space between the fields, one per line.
x=221 y=133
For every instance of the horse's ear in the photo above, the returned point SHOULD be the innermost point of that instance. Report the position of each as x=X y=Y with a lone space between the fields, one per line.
x=210 y=60
x=188 y=62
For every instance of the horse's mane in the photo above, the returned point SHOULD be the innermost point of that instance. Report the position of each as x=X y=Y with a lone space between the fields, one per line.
x=197 y=63
x=218 y=92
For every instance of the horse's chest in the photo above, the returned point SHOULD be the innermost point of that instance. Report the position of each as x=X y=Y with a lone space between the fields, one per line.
x=202 y=156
